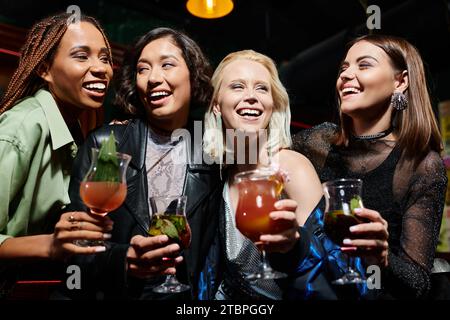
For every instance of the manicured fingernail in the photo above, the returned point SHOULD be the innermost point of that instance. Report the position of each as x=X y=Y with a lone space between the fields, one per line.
x=107 y=236
x=353 y=228
x=277 y=205
x=100 y=249
x=347 y=241
x=357 y=210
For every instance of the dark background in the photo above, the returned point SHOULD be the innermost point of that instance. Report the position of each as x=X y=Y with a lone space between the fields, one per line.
x=305 y=38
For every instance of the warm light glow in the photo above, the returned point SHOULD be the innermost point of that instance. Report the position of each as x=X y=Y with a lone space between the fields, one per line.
x=209 y=9
x=210 y=6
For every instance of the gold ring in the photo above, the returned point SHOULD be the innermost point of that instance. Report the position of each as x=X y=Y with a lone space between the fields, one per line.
x=71 y=218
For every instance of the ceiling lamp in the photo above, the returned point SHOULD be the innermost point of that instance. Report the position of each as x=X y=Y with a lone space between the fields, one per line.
x=209 y=9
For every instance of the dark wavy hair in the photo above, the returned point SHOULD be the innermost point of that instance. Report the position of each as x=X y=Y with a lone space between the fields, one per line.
x=200 y=72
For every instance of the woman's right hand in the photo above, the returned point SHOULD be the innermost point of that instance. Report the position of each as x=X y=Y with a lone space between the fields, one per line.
x=78 y=225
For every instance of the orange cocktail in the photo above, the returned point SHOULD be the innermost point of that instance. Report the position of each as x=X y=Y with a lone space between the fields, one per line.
x=104 y=187
x=102 y=197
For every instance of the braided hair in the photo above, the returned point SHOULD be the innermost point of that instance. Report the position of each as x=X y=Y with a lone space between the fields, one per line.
x=39 y=48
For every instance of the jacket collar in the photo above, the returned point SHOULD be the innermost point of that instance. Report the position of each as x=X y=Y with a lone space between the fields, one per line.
x=200 y=178
x=137 y=147
x=139 y=128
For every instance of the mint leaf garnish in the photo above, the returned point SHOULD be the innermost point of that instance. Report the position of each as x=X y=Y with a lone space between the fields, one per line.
x=355 y=203
x=169 y=229
x=179 y=222
x=107 y=162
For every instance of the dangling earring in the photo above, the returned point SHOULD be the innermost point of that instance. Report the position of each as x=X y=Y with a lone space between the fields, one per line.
x=218 y=117
x=399 y=101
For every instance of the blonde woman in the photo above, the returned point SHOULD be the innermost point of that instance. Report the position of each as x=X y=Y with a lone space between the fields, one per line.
x=249 y=96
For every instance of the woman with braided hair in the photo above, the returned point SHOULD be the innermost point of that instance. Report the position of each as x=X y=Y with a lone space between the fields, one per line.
x=64 y=69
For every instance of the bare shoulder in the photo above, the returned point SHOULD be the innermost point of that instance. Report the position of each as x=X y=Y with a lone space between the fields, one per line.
x=289 y=159
x=290 y=156
x=303 y=184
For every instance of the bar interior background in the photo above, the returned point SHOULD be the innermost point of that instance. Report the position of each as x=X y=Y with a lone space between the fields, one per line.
x=305 y=38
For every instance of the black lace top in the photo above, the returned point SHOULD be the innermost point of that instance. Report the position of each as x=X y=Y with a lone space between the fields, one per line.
x=409 y=197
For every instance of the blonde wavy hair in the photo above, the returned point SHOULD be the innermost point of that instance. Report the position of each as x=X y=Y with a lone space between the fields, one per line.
x=279 y=135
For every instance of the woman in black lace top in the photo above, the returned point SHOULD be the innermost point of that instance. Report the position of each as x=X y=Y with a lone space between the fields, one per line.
x=389 y=138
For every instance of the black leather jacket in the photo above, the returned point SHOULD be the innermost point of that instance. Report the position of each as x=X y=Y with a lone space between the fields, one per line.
x=106 y=272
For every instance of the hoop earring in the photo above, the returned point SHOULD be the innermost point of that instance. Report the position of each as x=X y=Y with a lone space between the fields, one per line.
x=399 y=101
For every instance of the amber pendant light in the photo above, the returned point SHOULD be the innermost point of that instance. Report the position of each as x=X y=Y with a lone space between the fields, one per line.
x=209 y=9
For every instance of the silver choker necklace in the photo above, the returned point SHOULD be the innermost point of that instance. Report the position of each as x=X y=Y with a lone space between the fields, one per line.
x=374 y=136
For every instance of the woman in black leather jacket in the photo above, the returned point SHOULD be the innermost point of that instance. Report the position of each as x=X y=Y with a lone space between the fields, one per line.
x=164 y=76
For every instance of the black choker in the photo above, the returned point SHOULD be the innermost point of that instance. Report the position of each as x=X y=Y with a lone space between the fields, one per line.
x=375 y=136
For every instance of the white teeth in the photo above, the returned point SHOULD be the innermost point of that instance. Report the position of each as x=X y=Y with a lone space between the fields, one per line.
x=100 y=86
x=251 y=112
x=351 y=89
x=159 y=94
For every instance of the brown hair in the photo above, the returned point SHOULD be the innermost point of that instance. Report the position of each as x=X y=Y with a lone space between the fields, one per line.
x=127 y=99
x=416 y=127
x=40 y=47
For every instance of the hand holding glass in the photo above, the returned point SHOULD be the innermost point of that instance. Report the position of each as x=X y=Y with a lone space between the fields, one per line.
x=169 y=218
x=103 y=195
x=258 y=191
x=342 y=197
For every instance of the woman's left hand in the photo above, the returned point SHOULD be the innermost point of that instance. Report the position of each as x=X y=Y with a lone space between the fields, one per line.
x=370 y=239
x=286 y=217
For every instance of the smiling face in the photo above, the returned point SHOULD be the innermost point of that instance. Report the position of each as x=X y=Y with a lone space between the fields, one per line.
x=245 y=96
x=163 y=83
x=81 y=69
x=366 y=82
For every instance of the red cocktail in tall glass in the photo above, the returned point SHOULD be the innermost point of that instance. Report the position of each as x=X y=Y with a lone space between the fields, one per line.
x=258 y=191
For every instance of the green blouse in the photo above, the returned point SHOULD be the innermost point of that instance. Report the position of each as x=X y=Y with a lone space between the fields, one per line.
x=36 y=150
